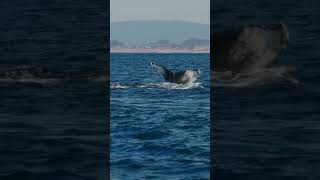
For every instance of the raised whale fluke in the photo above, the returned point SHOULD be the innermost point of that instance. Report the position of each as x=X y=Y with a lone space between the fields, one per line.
x=247 y=47
x=181 y=77
x=244 y=56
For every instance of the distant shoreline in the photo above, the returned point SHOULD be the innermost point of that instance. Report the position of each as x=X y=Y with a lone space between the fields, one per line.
x=165 y=50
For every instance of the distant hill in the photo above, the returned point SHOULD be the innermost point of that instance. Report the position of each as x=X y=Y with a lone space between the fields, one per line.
x=142 y=32
x=116 y=43
x=191 y=43
x=187 y=44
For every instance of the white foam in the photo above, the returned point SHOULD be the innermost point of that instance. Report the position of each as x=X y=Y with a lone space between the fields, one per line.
x=165 y=85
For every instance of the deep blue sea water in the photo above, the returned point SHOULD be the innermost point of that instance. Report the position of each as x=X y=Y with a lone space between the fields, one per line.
x=271 y=130
x=159 y=130
x=53 y=114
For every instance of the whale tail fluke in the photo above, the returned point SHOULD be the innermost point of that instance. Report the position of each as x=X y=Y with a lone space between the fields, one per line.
x=248 y=47
x=164 y=72
x=180 y=77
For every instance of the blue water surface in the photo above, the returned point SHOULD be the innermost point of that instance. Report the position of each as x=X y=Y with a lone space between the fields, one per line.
x=159 y=130
x=53 y=123
x=271 y=131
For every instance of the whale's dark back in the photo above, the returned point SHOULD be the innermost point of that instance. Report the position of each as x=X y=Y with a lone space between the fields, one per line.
x=178 y=77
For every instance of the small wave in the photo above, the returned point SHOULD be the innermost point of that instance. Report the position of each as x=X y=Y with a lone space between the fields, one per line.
x=151 y=135
x=29 y=80
x=165 y=85
x=256 y=77
x=30 y=74
x=51 y=80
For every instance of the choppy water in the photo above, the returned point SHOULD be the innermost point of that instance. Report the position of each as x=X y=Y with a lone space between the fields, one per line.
x=159 y=130
x=53 y=122
x=269 y=129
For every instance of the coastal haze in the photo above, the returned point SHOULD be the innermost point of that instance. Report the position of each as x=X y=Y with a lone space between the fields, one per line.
x=144 y=26
x=166 y=10
x=159 y=36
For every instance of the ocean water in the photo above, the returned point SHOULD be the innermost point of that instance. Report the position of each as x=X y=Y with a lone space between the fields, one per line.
x=270 y=129
x=53 y=123
x=159 y=130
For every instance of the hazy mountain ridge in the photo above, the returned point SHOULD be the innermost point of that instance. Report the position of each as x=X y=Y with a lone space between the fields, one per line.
x=138 y=33
x=187 y=44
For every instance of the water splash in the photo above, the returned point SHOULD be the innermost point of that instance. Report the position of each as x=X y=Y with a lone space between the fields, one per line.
x=254 y=77
x=165 y=85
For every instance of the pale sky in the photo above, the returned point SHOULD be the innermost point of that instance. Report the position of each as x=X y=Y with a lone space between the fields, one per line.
x=186 y=10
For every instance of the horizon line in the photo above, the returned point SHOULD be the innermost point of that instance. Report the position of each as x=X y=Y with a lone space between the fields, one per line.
x=162 y=20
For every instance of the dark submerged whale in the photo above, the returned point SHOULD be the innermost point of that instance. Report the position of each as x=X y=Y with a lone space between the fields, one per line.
x=246 y=48
x=181 y=77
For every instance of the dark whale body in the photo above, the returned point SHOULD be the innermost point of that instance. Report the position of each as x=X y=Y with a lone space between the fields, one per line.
x=240 y=49
x=181 y=77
